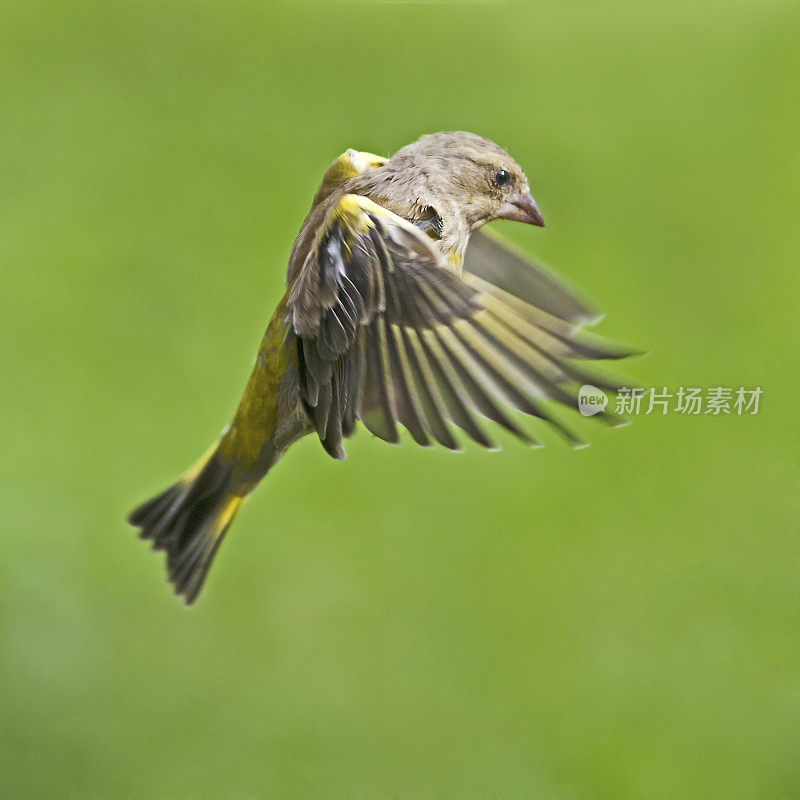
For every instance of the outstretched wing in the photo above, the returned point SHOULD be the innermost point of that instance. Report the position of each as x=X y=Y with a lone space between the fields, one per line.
x=548 y=300
x=387 y=333
x=494 y=260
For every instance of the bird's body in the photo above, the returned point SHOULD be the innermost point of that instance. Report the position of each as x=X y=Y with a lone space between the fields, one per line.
x=380 y=324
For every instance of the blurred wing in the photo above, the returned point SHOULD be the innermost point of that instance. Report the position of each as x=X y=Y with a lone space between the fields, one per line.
x=387 y=333
x=494 y=260
x=538 y=294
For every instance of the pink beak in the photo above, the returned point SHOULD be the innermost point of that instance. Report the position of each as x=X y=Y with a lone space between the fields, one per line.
x=521 y=207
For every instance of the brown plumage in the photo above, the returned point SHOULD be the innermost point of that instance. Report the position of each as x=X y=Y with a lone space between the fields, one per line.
x=390 y=319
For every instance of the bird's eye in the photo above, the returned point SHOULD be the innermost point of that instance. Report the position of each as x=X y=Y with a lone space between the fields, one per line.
x=502 y=177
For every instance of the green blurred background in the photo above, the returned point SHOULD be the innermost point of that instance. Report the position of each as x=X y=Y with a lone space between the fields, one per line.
x=619 y=622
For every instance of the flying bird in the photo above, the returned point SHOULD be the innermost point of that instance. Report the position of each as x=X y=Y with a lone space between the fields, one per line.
x=399 y=310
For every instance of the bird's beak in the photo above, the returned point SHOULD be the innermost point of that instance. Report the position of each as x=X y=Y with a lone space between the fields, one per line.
x=521 y=207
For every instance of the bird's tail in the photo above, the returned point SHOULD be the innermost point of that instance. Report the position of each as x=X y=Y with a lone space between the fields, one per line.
x=189 y=520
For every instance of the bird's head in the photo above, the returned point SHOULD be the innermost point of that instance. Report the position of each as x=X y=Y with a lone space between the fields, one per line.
x=479 y=176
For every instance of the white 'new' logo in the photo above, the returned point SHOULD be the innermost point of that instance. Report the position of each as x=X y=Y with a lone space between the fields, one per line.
x=591 y=400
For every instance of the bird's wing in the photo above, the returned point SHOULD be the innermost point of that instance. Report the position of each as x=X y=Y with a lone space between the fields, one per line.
x=495 y=265
x=494 y=260
x=387 y=333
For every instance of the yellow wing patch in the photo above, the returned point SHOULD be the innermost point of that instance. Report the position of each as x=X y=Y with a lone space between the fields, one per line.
x=346 y=166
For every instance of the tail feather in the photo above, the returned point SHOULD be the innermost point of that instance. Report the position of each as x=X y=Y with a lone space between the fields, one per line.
x=189 y=520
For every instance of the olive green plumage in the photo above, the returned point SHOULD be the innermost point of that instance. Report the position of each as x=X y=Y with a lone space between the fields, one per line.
x=389 y=318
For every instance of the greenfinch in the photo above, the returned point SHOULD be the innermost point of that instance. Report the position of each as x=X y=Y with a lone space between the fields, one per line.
x=390 y=318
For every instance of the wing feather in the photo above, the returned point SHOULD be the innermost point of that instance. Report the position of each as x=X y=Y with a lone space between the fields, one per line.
x=388 y=333
x=501 y=265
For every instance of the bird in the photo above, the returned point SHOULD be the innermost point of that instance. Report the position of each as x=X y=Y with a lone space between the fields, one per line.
x=400 y=310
